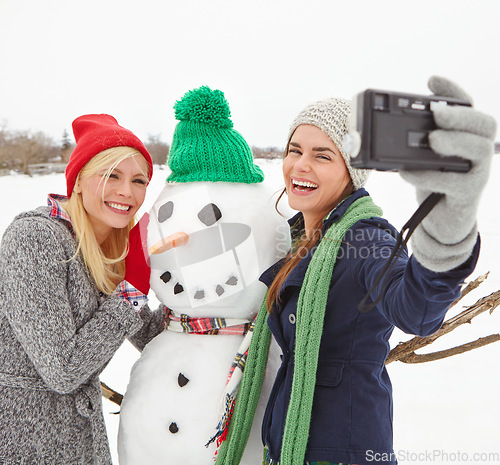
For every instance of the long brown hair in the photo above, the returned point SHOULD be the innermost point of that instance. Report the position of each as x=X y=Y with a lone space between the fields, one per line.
x=297 y=252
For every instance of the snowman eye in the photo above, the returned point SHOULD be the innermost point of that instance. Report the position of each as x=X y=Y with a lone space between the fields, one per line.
x=209 y=214
x=165 y=211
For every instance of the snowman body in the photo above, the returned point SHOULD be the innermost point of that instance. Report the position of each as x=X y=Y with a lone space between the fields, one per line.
x=174 y=398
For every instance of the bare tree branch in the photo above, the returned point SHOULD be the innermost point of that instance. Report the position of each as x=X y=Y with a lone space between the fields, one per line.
x=471 y=286
x=422 y=358
x=111 y=394
x=405 y=351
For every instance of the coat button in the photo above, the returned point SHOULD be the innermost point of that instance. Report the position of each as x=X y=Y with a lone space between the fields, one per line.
x=291 y=318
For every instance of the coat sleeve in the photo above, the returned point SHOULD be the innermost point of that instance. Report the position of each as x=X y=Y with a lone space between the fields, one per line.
x=153 y=324
x=34 y=297
x=153 y=321
x=415 y=299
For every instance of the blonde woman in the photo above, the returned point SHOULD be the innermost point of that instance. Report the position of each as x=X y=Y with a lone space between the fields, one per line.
x=65 y=306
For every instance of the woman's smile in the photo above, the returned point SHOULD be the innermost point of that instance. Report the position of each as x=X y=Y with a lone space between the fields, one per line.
x=301 y=186
x=119 y=208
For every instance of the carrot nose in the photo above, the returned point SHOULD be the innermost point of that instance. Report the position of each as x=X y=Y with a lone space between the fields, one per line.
x=174 y=240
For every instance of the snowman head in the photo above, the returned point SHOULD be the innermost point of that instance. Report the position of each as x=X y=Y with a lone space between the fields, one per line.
x=212 y=230
x=211 y=242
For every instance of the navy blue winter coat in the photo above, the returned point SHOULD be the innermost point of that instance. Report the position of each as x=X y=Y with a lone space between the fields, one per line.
x=352 y=410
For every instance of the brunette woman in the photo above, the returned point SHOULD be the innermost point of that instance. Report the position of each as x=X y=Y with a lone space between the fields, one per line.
x=332 y=398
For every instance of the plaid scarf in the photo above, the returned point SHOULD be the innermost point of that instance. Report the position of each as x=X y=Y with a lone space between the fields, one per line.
x=185 y=324
x=230 y=326
x=231 y=391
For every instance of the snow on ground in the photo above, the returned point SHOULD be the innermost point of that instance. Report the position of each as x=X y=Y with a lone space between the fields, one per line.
x=445 y=411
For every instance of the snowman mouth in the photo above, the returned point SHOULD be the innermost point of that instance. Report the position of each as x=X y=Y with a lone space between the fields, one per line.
x=206 y=254
x=200 y=293
x=304 y=185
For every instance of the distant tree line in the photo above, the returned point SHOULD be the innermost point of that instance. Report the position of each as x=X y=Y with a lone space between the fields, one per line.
x=21 y=148
x=20 y=151
x=268 y=152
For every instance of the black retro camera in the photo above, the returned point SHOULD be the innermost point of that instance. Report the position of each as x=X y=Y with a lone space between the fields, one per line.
x=389 y=132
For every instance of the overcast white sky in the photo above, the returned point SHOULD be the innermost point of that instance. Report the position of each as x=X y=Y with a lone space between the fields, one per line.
x=133 y=59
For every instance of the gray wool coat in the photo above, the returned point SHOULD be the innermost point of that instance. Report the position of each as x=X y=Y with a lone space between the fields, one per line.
x=57 y=333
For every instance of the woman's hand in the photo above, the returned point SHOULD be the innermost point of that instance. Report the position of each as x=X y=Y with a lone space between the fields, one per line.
x=446 y=237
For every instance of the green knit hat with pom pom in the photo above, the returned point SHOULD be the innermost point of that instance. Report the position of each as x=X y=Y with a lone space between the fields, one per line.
x=205 y=147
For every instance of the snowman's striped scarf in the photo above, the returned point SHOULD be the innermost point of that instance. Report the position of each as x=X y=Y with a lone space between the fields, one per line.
x=230 y=392
x=185 y=324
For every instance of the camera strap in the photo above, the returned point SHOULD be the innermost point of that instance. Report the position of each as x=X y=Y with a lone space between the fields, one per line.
x=402 y=240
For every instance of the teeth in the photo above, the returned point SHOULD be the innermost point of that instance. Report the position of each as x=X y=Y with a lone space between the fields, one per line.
x=304 y=183
x=118 y=206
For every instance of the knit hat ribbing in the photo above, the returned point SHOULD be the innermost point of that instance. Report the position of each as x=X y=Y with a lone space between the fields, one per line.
x=93 y=134
x=332 y=117
x=205 y=147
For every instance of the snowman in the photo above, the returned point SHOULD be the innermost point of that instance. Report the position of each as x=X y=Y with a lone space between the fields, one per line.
x=212 y=231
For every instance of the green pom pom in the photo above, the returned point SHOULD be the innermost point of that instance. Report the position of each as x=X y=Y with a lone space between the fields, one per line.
x=204 y=105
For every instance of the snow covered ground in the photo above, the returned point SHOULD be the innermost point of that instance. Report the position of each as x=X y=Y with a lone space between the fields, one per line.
x=444 y=412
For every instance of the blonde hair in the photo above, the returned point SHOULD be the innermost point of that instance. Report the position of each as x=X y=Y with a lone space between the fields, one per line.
x=105 y=262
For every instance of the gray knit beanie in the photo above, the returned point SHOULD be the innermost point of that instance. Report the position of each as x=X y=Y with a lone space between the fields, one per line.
x=332 y=117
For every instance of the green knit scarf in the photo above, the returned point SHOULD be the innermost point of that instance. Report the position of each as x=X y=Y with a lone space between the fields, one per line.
x=309 y=328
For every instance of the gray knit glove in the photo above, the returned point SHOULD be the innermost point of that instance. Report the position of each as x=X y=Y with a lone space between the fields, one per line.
x=446 y=237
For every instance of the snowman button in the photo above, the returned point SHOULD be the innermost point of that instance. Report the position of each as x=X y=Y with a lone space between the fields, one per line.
x=291 y=318
x=182 y=380
x=173 y=428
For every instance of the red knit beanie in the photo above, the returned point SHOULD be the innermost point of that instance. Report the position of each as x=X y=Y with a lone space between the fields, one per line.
x=93 y=134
